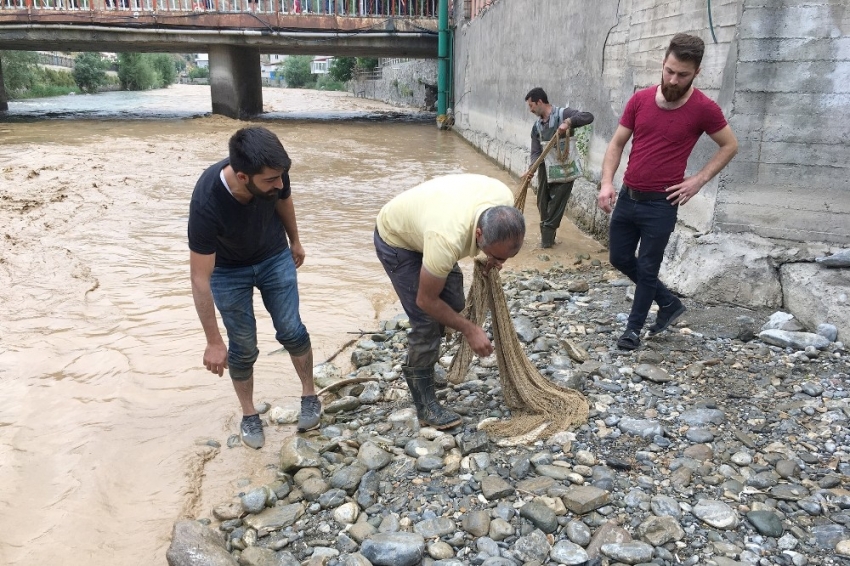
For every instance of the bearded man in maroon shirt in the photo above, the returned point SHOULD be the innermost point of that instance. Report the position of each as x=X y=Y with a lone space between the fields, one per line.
x=665 y=122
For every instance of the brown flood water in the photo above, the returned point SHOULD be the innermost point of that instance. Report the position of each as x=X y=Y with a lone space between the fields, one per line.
x=104 y=403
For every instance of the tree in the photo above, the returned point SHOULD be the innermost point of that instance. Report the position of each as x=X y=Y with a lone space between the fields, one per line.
x=164 y=66
x=199 y=73
x=135 y=72
x=366 y=63
x=342 y=68
x=20 y=70
x=89 y=73
x=296 y=71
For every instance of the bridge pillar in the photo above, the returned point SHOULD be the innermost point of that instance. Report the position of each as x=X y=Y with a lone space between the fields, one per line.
x=235 y=81
x=4 y=104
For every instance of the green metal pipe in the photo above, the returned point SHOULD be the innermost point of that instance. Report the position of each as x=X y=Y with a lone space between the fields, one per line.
x=443 y=61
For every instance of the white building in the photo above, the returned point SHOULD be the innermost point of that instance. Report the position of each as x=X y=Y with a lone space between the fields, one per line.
x=319 y=65
x=202 y=60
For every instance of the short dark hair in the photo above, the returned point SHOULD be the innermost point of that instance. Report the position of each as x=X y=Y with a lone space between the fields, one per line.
x=537 y=94
x=502 y=224
x=686 y=48
x=255 y=147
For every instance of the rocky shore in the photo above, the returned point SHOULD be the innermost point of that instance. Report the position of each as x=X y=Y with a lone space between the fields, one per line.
x=722 y=441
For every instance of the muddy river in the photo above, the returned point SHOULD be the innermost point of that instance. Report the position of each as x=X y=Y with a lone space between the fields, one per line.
x=105 y=407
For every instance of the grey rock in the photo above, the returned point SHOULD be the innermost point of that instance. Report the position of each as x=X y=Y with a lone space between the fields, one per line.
x=296 y=453
x=275 y=518
x=559 y=473
x=194 y=544
x=532 y=547
x=256 y=556
x=345 y=544
x=361 y=358
x=313 y=488
x=526 y=330
x=429 y=463
x=585 y=498
x=255 y=500
x=609 y=532
x=766 y=523
x=838 y=259
x=645 y=428
x=665 y=506
x=477 y=442
x=540 y=516
x=373 y=456
x=488 y=546
x=476 y=523
x=348 y=478
x=653 y=373
x=828 y=331
x=394 y=549
x=361 y=531
x=828 y=535
x=332 y=498
x=566 y=552
x=417 y=447
x=787 y=469
x=812 y=389
x=494 y=487
x=371 y=393
x=716 y=513
x=634 y=552
x=389 y=524
x=500 y=529
x=782 y=321
x=789 y=492
x=795 y=340
x=703 y=417
x=658 y=531
x=434 y=527
x=699 y=435
x=578 y=533
x=439 y=550
x=343 y=405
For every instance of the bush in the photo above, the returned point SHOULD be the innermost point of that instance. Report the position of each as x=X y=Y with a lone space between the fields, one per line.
x=326 y=82
x=296 y=71
x=89 y=73
x=19 y=70
x=199 y=73
x=165 y=67
x=342 y=68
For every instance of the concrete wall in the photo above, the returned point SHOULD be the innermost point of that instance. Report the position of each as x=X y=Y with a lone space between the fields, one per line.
x=411 y=83
x=780 y=70
x=4 y=104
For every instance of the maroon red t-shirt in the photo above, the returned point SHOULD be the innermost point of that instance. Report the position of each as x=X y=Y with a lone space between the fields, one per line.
x=662 y=140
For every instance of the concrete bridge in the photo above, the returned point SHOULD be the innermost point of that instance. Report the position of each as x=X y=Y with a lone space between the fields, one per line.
x=233 y=32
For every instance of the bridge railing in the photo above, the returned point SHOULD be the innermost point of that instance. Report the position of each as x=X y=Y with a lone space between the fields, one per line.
x=357 y=8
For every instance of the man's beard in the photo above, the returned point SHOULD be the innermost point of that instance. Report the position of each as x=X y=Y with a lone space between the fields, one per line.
x=672 y=93
x=255 y=190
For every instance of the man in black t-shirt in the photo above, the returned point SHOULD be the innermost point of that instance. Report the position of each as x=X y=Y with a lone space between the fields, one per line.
x=239 y=219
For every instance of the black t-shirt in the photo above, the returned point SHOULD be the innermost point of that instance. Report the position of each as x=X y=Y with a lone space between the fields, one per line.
x=238 y=234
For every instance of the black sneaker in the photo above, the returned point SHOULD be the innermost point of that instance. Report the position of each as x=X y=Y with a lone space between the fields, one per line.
x=252 y=432
x=629 y=340
x=667 y=316
x=311 y=413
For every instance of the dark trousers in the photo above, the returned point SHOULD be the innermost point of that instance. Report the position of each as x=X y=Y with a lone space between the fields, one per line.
x=551 y=204
x=645 y=227
x=403 y=268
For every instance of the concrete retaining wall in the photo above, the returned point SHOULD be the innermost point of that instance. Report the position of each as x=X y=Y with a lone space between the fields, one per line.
x=411 y=83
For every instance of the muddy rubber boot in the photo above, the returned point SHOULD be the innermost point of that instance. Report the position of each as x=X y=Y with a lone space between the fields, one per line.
x=420 y=381
x=547 y=237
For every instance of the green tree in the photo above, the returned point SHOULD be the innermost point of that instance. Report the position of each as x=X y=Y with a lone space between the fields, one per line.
x=199 y=73
x=366 y=63
x=342 y=68
x=89 y=73
x=135 y=72
x=296 y=71
x=20 y=71
x=164 y=66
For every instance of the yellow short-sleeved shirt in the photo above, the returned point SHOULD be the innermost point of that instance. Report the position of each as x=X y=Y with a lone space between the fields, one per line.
x=438 y=218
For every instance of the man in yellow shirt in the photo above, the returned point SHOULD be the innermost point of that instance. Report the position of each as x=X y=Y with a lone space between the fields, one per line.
x=420 y=236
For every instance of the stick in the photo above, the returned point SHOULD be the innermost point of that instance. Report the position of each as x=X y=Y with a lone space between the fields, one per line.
x=341 y=349
x=519 y=201
x=344 y=382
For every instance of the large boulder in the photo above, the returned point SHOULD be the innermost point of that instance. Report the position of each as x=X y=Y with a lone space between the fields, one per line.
x=194 y=544
x=818 y=295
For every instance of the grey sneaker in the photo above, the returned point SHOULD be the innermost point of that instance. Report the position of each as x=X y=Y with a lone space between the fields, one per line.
x=311 y=413
x=252 y=432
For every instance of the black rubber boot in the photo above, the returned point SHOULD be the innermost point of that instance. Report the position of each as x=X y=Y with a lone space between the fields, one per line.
x=547 y=237
x=420 y=381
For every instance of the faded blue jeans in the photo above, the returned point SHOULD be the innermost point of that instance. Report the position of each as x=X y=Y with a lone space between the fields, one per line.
x=648 y=223
x=233 y=292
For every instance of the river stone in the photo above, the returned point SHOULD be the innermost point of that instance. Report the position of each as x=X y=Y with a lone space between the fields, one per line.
x=703 y=417
x=361 y=531
x=658 y=531
x=645 y=428
x=526 y=330
x=788 y=492
x=348 y=478
x=767 y=523
x=633 y=552
x=347 y=513
x=371 y=393
x=538 y=486
x=796 y=340
x=354 y=559
x=313 y=488
x=296 y=453
x=532 y=547
x=699 y=452
x=653 y=373
x=828 y=331
x=373 y=456
x=227 y=511
x=578 y=533
x=343 y=405
x=439 y=550
x=566 y=552
x=255 y=500
x=429 y=463
x=540 y=515
x=716 y=513
x=843 y=547
x=583 y=499
x=476 y=523
x=829 y=535
x=256 y=556
x=665 y=506
x=194 y=544
x=575 y=351
x=437 y=527
x=332 y=498
x=500 y=529
x=417 y=447
x=610 y=532
x=787 y=469
x=699 y=435
x=838 y=259
x=559 y=473
x=361 y=358
x=275 y=518
x=394 y=549
x=782 y=321
x=494 y=487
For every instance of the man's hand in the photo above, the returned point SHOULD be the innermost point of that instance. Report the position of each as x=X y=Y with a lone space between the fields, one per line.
x=607 y=197
x=684 y=191
x=528 y=175
x=297 y=253
x=564 y=127
x=215 y=358
x=478 y=341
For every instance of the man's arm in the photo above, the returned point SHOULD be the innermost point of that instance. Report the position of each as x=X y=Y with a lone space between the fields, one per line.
x=201 y=267
x=607 y=195
x=536 y=150
x=727 y=147
x=286 y=210
x=428 y=299
x=575 y=119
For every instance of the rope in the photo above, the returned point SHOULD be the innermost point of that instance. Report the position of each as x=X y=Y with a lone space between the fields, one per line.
x=563 y=157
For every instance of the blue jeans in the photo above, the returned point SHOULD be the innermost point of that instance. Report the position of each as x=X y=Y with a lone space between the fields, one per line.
x=403 y=268
x=233 y=292
x=649 y=223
